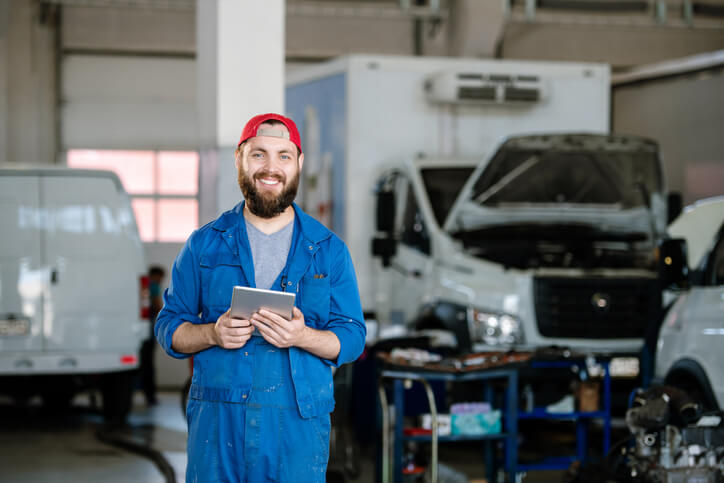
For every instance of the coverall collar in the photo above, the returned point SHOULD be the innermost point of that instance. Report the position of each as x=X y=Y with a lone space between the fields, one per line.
x=305 y=243
x=312 y=230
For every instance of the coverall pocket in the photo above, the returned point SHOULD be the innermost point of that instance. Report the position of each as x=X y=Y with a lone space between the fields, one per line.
x=314 y=294
x=219 y=273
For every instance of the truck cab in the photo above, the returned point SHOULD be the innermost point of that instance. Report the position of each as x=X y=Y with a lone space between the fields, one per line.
x=553 y=240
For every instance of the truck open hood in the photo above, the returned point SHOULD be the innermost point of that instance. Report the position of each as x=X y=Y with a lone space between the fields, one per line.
x=605 y=218
x=606 y=181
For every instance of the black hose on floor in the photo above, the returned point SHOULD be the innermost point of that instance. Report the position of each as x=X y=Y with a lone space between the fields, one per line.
x=119 y=440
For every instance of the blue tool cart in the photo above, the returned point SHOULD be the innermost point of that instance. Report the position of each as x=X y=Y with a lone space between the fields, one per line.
x=399 y=378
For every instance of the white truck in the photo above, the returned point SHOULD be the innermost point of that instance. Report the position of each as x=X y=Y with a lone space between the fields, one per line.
x=460 y=215
x=72 y=272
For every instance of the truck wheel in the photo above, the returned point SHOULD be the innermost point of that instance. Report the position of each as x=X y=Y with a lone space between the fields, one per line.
x=117 y=389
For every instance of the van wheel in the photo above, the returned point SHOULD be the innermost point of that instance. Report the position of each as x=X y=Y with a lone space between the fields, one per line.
x=697 y=394
x=58 y=399
x=692 y=388
x=117 y=390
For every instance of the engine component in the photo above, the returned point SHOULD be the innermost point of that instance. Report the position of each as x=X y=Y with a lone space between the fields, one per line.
x=670 y=442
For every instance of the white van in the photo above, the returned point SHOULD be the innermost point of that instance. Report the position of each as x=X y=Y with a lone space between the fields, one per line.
x=71 y=286
x=689 y=351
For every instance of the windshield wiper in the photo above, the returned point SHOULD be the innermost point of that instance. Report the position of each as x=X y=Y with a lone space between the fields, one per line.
x=505 y=180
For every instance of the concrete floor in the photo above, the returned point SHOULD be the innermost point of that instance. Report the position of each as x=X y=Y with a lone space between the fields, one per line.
x=41 y=446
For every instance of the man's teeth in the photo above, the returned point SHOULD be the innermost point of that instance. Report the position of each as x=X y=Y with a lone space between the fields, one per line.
x=269 y=181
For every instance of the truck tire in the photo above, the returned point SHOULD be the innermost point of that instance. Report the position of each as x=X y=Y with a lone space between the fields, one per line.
x=117 y=390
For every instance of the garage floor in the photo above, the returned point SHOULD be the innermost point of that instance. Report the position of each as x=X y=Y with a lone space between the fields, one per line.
x=41 y=446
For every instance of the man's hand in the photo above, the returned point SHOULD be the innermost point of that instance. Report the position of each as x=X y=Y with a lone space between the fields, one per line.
x=231 y=333
x=282 y=333
x=279 y=331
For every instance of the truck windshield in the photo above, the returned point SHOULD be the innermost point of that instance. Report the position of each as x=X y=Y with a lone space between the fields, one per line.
x=578 y=177
x=443 y=186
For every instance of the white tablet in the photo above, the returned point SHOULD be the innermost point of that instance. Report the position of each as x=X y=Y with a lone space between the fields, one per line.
x=245 y=301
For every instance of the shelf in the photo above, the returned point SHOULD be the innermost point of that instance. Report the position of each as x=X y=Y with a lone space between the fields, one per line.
x=541 y=413
x=456 y=437
x=581 y=419
x=559 y=462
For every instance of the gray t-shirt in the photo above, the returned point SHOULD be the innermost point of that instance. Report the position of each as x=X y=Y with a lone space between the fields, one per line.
x=269 y=252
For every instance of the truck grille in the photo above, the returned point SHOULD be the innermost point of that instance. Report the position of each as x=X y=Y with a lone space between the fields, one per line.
x=595 y=308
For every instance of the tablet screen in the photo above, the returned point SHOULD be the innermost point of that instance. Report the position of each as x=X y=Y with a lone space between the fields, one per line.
x=245 y=301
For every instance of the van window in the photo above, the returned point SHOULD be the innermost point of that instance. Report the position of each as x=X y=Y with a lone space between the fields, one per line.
x=83 y=230
x=19 y=214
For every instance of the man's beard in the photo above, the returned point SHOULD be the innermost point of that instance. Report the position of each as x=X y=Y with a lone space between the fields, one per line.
x=267 y=205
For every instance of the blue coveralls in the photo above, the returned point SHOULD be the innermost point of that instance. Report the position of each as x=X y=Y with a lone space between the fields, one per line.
x=260 y=413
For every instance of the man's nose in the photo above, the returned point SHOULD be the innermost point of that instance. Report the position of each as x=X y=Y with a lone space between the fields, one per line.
x=273 y=162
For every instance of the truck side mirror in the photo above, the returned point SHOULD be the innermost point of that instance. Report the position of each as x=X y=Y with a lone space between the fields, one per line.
x=673 y=269
x=386 y=245
x=386 y=211
x=674 y=206
x=385 y=248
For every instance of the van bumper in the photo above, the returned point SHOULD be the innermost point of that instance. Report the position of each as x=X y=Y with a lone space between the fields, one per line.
x=21 y=364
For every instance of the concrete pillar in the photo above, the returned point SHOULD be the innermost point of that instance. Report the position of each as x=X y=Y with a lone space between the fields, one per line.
x=240 y=73
x=475 y=28
x=27 y=82
x=4 y=25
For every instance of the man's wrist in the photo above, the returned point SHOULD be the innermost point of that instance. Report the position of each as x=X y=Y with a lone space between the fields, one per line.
x=305 y=338
x=210 y=333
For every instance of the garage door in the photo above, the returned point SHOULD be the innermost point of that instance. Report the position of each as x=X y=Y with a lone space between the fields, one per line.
x=128 y=102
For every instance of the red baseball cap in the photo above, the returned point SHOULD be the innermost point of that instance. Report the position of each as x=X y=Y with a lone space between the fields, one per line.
x=252 y=129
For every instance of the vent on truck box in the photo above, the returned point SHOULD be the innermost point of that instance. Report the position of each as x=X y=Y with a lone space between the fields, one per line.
x=484 y=88
x=477 y=93
x=595 y=308
x=519 y=94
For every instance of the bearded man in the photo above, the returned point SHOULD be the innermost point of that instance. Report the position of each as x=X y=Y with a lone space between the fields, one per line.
x=261 y=392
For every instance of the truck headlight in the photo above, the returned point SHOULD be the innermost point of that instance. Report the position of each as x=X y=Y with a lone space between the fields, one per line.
x=494 y=328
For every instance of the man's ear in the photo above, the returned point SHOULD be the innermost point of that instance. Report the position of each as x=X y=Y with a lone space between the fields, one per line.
x=301 y=161
x=237 y=158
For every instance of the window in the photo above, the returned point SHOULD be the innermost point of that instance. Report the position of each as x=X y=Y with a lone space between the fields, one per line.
x=414 y=233
x=443 y=186
x=163 y=186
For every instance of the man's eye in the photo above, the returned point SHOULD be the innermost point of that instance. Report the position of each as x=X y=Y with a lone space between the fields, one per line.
x=257 y=155
x=286 y=157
